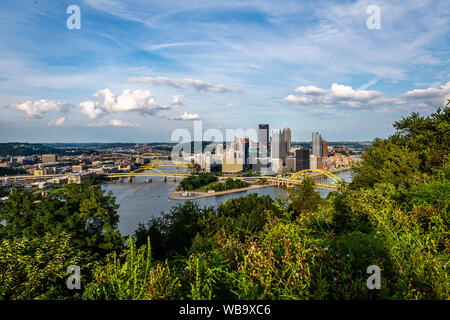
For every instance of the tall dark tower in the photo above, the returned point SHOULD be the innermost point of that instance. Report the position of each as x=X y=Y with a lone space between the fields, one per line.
x=263 y=138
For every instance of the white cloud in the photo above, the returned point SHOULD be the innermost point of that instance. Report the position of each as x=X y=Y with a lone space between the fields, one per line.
x=312 y=90
x=106 y=101
x=177 y=100
x=368 y=84
x=90 y=109
x=431 y=96
x=58 y=122
x=347 y=92
x=198 y=85
x=37 y=109
x=345 y=97
x=296 y=99
x=338 y=96
x=187 y=116
x=120 y=123
x=113 y=123
x=160 y=46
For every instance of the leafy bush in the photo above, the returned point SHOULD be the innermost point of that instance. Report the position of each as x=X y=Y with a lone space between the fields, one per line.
x=81 y=210
x=229 y=184
x=193 y=182
x=174 y=231
x=36 y=268
x=133 y=277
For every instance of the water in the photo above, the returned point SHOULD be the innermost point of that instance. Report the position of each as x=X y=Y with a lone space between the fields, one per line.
x=139 y=201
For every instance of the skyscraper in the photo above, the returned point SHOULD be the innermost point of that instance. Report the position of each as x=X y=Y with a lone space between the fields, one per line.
x=316 y=144
x=315 y=162
x=287 y=140
x=277 y=142
x=324 y=149
x=263 y=139
x=301 y=159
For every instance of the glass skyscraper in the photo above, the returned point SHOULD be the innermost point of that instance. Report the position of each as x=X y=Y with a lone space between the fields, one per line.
x=316 y=144
x=263 y=139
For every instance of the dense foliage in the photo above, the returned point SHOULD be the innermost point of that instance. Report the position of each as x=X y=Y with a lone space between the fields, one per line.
x=29 y=149
x=36 y=267
x=193 y=182
x=82 y=211
x=395 y=215
x=419 y=147
x=11 y=171
x=229 y=184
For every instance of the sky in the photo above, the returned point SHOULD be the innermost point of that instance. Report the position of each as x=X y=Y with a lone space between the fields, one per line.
x=136 y=70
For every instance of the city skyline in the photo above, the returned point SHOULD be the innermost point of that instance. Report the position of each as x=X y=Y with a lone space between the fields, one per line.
x=137 y=70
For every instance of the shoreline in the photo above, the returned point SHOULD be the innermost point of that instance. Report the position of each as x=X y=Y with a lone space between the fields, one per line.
x=199 y=195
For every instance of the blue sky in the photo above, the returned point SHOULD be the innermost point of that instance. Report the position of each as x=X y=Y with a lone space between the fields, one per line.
x=137 y=70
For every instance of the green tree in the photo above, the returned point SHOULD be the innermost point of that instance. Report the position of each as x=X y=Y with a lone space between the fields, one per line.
x=419 y=146
x=244 y=215
x=36 y=268
x=83 y=211
x=386 y=161
x=304 y=198
x=428 y=136
x=174 y=231
x=196 y=181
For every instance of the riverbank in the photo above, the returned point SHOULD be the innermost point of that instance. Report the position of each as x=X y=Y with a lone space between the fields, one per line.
x=174 y=195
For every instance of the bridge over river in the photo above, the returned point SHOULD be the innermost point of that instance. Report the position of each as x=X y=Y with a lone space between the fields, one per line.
x=323 y=179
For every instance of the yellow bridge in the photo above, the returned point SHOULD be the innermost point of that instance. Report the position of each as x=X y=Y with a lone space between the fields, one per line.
x=154 y=172
x=323 y=179
x=150 y=155
x=27 y=178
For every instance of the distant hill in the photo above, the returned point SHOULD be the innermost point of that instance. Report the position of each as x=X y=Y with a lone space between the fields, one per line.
x=28 y=149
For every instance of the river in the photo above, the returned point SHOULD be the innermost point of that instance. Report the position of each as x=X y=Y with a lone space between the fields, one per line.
x=139 y=201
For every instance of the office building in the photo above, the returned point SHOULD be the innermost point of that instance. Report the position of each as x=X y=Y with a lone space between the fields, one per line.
x=263 y=139
x=316 y=144
x=289 y=164
x=242 y=151
x=232 y=165
x=78 y=168
x=219 y=149
x=276 y=165
x=277 y=145
x=301 y=159
x=315 y=162
x=324 y=149
x=46 y=158
x=262 y=165
x=287 y=140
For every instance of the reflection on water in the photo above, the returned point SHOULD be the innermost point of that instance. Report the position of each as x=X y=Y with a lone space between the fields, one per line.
x=139 y=201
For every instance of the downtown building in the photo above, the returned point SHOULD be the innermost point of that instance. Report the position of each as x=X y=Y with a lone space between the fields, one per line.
x=317 y=144
x=236 y=157
x=301 y=159
x=287 y=140
x=280 y=157
x=263 y=140
x=276 y=151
